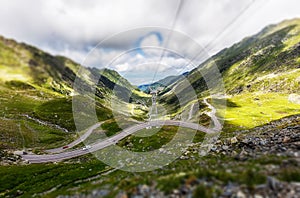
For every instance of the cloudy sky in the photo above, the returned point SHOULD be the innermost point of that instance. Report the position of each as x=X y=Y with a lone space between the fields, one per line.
x=144 y=40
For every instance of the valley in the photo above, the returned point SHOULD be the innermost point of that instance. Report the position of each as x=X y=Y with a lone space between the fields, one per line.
x=256 y=152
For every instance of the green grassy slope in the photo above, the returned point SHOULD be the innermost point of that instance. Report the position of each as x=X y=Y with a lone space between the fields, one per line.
x=265 y=65
x=38 y=87
x=85 y=175
x=257 y=154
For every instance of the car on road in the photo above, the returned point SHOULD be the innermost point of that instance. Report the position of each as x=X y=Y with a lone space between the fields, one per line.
x=65 y=147
x=86 y=147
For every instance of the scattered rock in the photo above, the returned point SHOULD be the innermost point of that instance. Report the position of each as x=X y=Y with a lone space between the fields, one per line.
x=294 y=98
x=240 y=194
x=286 y=139
x=225 y=147
x=233 y=140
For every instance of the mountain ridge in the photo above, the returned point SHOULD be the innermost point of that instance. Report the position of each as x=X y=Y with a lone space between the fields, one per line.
x=265 y=64
x=256 y=154
x=35 y=84
x=164 y=82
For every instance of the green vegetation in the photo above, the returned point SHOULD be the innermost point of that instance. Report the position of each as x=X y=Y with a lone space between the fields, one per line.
x=158 y=138
x=29 y=134
x=36 y=90
x=259 y=74
x=38 y=179
x=290 y=174
x=57 y=111
x=65 y=178
x=249 y=110
x=111 y=128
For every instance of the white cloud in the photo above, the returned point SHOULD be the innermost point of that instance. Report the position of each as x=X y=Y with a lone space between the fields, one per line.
x=73 y=27
x=151 y=40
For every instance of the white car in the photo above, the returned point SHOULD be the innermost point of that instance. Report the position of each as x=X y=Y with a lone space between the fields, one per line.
x=86 y=147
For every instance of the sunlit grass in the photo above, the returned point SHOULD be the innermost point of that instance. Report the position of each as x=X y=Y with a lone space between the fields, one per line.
x=293 y=40
x=12 y=73
x=251 y=110
x=141 y=94
x=30 y=180
x=285 y=82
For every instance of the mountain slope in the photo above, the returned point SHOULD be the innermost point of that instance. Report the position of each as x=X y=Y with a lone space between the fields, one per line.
x=165 y=82
x=261 y=69
x=259 y=162
x=37 y=87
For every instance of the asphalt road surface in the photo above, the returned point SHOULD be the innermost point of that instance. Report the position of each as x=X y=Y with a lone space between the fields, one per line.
x=77 y=141
x=32 y=158
x=212 y=115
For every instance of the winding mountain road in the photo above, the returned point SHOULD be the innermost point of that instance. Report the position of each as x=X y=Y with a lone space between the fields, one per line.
x=212 y=115
x=191 y=112
x=32 y=158
x=77 y=141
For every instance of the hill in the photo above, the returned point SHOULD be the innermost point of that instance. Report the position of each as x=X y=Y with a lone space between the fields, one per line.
x=165 y=82
x=260 y=75
x=36 y=87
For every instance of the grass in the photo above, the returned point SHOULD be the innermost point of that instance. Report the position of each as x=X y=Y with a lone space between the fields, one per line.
x=111 y=127
x=140 y=93
x=154 y=138
x=30 y=180
x=43 y=136
x=204 y=191
x=18 y=99
x=115 y=125
x=72 y=177
x=12 y=74
x=295 y=38
x=290 y=174
x=247 y=109
x=251 y=110
x=18 y=131
x=284 y=82
x=221 y=168
x=57 y=111
x=22 y=133
x=15 y=103
x=11 y=65
x=153 y=142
